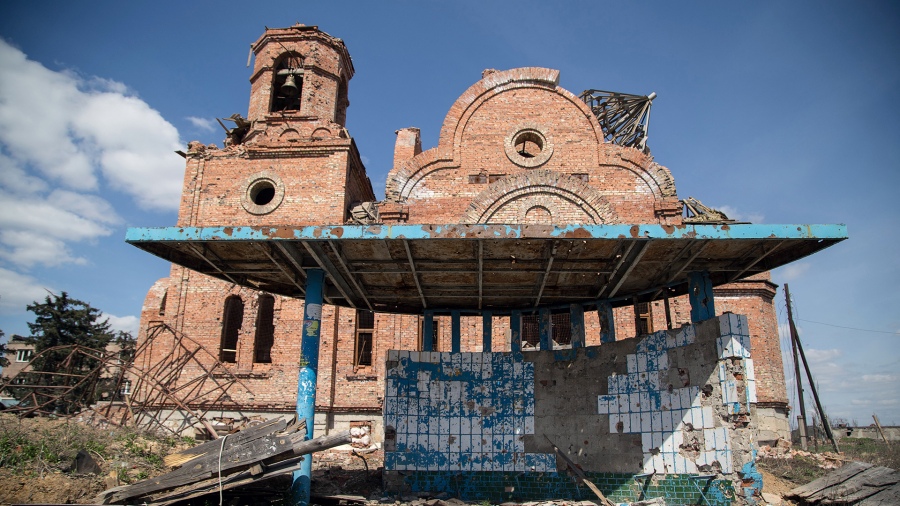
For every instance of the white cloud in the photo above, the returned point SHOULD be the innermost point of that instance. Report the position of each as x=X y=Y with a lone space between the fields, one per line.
x=72 y=130
x=19 y=290
x=791 y=271
x=124 y=323
x=63 y=139
x=202 y=123
x=735 y=214
x=822 y=356
x=879 y=378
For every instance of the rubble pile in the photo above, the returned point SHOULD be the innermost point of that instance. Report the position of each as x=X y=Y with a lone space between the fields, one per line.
x=783 y=449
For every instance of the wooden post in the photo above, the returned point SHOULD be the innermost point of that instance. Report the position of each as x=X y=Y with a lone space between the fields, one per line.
x=797 y=377
x=880 y=430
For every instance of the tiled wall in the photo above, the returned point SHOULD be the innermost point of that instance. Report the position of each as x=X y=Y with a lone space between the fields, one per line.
x=684 y=397
x=460 y=412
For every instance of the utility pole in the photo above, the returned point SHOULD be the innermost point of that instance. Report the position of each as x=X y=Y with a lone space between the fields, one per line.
x=812 y=386
x=801 y=419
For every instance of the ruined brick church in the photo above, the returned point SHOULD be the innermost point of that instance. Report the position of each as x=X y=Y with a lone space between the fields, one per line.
x=514 y=148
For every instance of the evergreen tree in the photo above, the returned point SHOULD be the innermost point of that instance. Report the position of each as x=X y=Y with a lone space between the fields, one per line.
x=64 y=321
x=3 y=351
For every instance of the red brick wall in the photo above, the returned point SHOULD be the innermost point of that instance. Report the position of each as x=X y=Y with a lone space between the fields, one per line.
x=473 y=175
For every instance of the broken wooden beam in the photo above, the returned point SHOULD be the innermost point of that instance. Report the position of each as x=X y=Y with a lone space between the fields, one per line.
x=255 y=455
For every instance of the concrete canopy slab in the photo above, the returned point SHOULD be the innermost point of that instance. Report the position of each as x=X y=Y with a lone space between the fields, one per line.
x=410 y=268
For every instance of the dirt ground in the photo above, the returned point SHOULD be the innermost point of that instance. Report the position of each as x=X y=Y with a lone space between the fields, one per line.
x=36 y=456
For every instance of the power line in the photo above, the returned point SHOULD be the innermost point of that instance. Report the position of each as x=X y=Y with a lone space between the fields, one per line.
x=849 y=328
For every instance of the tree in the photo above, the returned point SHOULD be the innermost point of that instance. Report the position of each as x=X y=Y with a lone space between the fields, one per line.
x=64 y=321
x=3 y=351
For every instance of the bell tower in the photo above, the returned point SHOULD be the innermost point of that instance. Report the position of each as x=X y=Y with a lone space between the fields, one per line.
x=300 y=77
x=291 y=162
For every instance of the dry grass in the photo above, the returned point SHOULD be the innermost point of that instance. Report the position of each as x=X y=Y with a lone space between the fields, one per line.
x=801 y=470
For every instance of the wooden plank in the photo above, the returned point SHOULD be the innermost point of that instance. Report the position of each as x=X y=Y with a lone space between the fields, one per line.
x=887 y=497
x=873 y=485
x=837 y=493
x=241 y=437
x=838 y=476
x=204 y=466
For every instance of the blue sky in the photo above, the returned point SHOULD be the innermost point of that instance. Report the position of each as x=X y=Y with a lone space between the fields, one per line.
x=776 y=112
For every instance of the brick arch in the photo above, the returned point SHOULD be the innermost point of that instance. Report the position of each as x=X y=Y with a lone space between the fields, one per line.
x=542 y=181
x=403 y=179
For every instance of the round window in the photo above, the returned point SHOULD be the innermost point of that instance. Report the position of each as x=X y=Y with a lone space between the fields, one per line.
x=262 y=193
x=528 y=147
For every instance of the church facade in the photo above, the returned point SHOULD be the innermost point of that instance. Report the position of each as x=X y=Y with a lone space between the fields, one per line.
x=515 y=148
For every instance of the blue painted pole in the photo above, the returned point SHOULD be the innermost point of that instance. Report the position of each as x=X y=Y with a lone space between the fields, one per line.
x=515 y=332
x=428 y=331
x=607 y=322
x=576 y=321
x=454 y=332
x=306 y=382
x=487 y=320
x=546 y=329
x=700 y=294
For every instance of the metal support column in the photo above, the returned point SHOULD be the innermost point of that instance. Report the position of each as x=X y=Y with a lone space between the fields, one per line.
x=546 y=329
x=700 y=293
x=607 y=322
x=428 y=331
x=487 y=320
x=306 y=381
x=576 y=321
x=515 y=332
x=454 y=332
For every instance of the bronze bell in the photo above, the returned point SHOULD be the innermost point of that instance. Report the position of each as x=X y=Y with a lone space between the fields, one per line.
x=289 y=88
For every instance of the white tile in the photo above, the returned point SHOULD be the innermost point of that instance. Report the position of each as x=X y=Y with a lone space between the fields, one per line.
x=657 y=440
x=645 y=422
x=708 y=417
x=667 y=421
x=751 y=391
x=624 y=403
x=680 y=466
x=631 y=361
x=644 y=401
x=648 y=463
x=662 y=362
x=641 y=362
x=634 y=402
x=635 y=422
x=602 y=405
x=646 y=442
x=668 y=444
x=656 y=421
x=685 y=397
x=675 y=399
x=694 y=392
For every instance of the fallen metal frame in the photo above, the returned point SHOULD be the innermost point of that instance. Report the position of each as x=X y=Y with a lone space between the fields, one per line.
x=160 y=389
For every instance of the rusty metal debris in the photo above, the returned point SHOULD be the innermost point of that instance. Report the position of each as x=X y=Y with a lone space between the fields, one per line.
x=624 y=118
x=170 y=385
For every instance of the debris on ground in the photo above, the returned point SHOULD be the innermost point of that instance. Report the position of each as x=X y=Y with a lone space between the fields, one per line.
x=272 y=449
x=783 y=449
x=856 y=483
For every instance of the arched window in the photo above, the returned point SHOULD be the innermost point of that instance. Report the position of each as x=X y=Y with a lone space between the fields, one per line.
x=265 y=330
x=232 y=319
x=287 y=83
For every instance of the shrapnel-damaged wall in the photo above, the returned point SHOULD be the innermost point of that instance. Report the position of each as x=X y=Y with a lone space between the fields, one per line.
x=642 y=417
